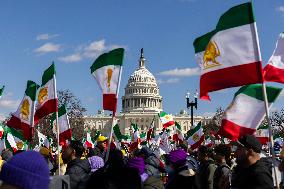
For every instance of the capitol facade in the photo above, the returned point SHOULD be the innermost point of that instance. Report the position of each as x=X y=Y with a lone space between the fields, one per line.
x=141 y=104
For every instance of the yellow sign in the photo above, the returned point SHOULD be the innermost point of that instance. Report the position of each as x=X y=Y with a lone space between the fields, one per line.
x=25 y=110
x=42 y=95
x=210 y=55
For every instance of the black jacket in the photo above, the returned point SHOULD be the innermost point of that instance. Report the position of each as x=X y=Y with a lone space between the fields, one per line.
x=183 y=178
x=78 y=171
x=256 y=176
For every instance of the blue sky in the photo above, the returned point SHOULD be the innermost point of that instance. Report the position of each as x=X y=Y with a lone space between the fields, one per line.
x=73 y=33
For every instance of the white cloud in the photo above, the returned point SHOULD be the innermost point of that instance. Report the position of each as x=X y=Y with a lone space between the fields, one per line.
x=45 y=36
x=2 y=117
x=89 y=51
x=280 y=8
x=168 y=81
x=7 y=102
x=71 y=58
x=47 y=48
x=185 y=72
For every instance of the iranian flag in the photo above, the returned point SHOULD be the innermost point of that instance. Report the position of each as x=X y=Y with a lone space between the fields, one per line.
x=1 y=131
x=178 y=136
x=107 y=71
x=274 y=70
x=136 y=134
x=14 y=140
x=117 y=133
x=151 y=132
x=166 y=119
x=228 y=55
x=65 y=132
x=1 y=91
x=47 y=97
x=89 y=142
x=262 y=134
x=208 y=142
x=195 y=136
x=23 y=118
x=43 y=140
x=246 y=111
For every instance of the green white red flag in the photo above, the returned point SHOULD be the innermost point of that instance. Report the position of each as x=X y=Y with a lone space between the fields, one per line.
x=246 y=111
x=195 y=136
x=274 y=70
x=262 y=134
x=107 y=70
x=14 y=140
x=178 y=136
x=89 y=142
x=228 y=55
x=151 y=132
x=43 y=140
x=47 y=96
x=65 y=132
x=166 y=119
x=23 y=118
x=1 y=91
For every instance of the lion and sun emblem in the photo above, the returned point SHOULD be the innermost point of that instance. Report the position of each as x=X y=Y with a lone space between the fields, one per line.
x=211 y=53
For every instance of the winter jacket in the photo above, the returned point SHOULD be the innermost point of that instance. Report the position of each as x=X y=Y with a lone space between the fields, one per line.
x=98 y=152
x=153 y=166
x=114 y=178
x=206 y=174
x=257 y=176
x=222 y=177
x=153 y=183
x=184 y=178
x=78 y=171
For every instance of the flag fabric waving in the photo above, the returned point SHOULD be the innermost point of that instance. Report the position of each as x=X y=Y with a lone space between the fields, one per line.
x=178 y=136
x=14 y=140
x=228 y=55
x=43 y=140
x=166 y=119
x=65 y=132
x=195 y=136
x=23 y=118
x=246 y=111
x=47 y=97
x=274 y=70
x=1 y=91
x=107 y=70
x=262 y=134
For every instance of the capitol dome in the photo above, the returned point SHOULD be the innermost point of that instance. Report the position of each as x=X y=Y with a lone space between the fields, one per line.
x=142 y=92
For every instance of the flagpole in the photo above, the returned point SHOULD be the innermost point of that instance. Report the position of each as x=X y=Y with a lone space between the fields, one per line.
x=57 y=127
x=113 y=116
x=258 y=54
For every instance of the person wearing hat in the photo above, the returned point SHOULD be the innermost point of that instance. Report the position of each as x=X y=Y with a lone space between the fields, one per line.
x=250 y=172
x=148 y=181
x=182 y=177
x=27 y=170
x=100 y=149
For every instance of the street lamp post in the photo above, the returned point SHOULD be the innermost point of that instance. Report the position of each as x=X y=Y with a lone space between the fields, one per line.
x=191 y=104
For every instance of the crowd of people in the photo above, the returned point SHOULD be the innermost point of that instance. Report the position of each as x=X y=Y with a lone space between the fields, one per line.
x=224 y=166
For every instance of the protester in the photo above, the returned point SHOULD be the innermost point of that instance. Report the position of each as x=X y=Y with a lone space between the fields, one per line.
x=222 y=174
x=77 y=169
x=207 y=167
x=27 y=170
x=115 y=174
x=153 y=165
x=96 y=162
x=100 y=149
x=250 y=171
x=182 y=176
x=148 y=181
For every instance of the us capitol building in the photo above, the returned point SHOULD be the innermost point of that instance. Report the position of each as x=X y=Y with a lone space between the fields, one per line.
x=141 y=104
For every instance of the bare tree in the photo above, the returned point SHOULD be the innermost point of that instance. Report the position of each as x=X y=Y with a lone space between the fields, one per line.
x=75 y=112
x=215 y=122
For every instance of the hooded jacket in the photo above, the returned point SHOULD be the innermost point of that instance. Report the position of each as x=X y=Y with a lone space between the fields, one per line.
x=78 y=171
